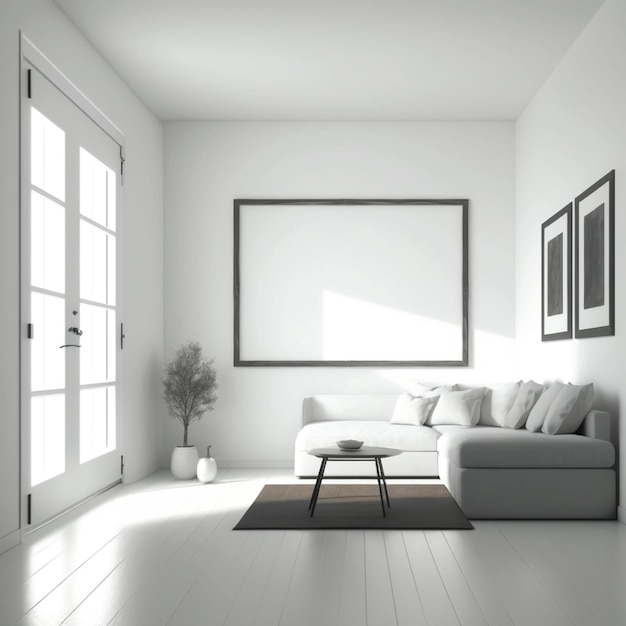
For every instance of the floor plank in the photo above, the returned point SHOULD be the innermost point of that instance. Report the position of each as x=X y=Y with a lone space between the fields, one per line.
x=459 y=591
x=436 y=602
x=352 y=605
x=306 y=585
x=481 y=577
x=381 y=610
x=409 y=610
x=279 y=581
x=249 y=596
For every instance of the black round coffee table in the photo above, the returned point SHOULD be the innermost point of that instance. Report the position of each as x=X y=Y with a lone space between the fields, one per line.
x=365 y=453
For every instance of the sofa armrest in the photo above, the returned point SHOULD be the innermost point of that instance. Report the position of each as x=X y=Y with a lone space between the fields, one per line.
x=597 y=425
x=307 y=411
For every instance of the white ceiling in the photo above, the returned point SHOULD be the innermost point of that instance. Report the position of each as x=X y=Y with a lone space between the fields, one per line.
x=333 y=59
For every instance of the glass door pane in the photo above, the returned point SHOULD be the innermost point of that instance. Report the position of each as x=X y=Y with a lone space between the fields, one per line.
x=97 y=422
x=97 y=308
x=97 y=359
x=97 y=264
x=47 y=155
x=47 y=360
x=47 y=243
x=47 y=300
x=97 y=190
x=47 y=438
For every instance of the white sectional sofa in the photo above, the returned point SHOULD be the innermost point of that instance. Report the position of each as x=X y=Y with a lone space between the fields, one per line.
x=492 y=471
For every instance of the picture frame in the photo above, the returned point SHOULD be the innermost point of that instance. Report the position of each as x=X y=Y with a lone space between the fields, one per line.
x=595 y=259
x=556 y=276
x=351 y=282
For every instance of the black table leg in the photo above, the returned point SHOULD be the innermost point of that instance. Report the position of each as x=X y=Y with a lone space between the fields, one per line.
x=382 y=473
x=381 y=482
x=318 y=484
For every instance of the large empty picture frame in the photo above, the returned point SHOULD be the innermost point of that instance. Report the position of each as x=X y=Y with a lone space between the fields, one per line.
x=351 y=282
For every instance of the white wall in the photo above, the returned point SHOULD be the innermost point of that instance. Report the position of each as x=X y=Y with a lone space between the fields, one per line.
x=572 y=133
x=44 y=24
x=208 y=164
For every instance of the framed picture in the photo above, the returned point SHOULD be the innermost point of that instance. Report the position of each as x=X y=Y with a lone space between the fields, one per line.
x=595 y=259
x=351 y=283
x=556 y=276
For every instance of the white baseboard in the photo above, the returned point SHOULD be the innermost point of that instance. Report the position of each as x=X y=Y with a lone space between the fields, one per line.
x=10 y=541
x=621 y=514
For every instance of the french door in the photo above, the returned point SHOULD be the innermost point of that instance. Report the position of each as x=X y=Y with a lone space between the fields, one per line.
x=70 y=304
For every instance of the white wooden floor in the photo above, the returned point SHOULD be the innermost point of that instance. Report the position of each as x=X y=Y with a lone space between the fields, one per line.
x=163 y=552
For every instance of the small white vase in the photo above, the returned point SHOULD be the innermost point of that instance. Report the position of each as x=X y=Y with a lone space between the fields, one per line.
x=206 y=469
x=184 y=461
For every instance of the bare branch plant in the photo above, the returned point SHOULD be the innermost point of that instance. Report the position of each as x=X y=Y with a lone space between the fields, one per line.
x=189 y=383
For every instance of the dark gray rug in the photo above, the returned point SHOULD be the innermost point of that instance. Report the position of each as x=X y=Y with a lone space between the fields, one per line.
x=354 y=506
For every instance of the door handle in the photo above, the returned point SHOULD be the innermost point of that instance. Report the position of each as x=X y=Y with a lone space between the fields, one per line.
x=76 y=331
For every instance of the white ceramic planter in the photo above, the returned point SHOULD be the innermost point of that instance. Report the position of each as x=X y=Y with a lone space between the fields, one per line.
x=207 y=468
x=184 y=462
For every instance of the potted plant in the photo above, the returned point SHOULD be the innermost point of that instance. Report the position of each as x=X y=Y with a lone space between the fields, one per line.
x=189 y=385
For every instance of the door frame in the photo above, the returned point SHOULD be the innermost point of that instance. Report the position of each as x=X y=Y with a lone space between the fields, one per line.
x=31 y=56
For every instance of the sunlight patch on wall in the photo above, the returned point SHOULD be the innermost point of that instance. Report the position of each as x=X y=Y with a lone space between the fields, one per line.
x=357 y=329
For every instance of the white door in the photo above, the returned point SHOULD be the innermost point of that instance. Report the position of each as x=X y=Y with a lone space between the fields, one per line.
x=70 y=305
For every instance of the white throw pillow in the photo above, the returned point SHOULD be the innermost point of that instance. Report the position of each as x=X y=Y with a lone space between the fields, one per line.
x=528 y=395
x=497 y=403
x=538 y=413
x=568 y=410
x=502 y=400
x=411 y=410
x=433 y=393
x=458 y=407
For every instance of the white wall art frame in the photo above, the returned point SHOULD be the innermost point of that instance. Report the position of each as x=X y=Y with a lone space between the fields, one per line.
x=351 y=282
x=595 y=259
x=556 y=276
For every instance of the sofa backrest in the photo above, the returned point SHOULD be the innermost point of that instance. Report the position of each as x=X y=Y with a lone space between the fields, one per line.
x=348 y=406
x=379 y=406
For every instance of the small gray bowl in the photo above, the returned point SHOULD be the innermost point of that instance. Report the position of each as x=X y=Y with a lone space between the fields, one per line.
x=349 y=444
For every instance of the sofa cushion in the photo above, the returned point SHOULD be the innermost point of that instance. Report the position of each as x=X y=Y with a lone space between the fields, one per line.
x=372 y=433
x=457 y=407
x=568 y=410
x=411 y=410
x=529 y=393
x=538 y=413
x=496 y=403
x=485 y=446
